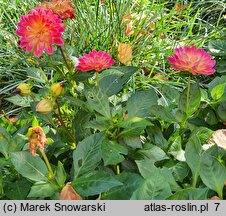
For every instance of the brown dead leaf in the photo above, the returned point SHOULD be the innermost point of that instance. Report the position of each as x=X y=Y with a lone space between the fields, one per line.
x=219 y=138
x=125 y=53
x=214 y=198
x=180 y=7
x=129 y=29
x=68 y=193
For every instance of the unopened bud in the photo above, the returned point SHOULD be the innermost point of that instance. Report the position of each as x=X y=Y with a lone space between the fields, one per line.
x=44 y=106
x=57 y=89
x=23 y=89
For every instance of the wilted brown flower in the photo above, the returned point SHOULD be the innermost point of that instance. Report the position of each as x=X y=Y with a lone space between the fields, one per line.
x=36 y=137
x=62 y=8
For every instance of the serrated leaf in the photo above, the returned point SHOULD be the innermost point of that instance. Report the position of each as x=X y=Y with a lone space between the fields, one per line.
x=94 y=183
x=42 y=190
x=162 y=113
x=36 y=74
x=153 y=187
x=190 y=194
x=133 y=126
x=18 y=190
x=20 y=101
x=87 y=155
x=139 y=104
x=212 y=173
x=176 y=149
x=180 y=171
x=29 y=166
x=112 y=152
x=130 y=183
x=153 y=153
x=98 y=101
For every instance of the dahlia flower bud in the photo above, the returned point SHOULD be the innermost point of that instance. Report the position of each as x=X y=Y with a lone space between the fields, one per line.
x=44 y=106
x=23 y=89
x=57 y=89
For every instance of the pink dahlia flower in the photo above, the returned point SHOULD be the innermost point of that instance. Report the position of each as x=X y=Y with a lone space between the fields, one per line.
x=193 y=60
x=39 y=30
x=95 y=60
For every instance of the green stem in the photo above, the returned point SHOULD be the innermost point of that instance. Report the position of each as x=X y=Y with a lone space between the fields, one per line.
x=48 y=166
x=97 y=79
x=188 y=94
x=194 y=180
x=65 y=59
x=63 y=124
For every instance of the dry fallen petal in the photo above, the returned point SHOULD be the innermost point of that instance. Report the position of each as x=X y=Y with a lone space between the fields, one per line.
x=68 y=193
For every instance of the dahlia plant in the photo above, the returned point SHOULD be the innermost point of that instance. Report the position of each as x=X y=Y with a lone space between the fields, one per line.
x=92 y=130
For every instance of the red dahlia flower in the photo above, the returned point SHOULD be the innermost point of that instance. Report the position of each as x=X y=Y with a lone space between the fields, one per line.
x=95 y=60
x=39 y=30
x=193 y=60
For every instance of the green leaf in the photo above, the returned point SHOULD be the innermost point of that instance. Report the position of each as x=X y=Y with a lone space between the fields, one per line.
x=94 y=183
x=112 y=80
x=42 y=190
x=139 y=104
x=133 y=141
x=133 y=126
x=87 y=155
x=218 y=91
x=36 y=74
x=112 y=152
x=215 y=82
x=153 y=153
x=20 y=101
x=111 y=84
x=153 y=187
x=170 y=179
x=130 y=183
x=176 y=149
x=180 y=171
x=190 y=194
x=98 y=101
x=156 y=136
x=194 y=99
x=221 y=110
x=100 y=123
x=162 y=113
x=29 y=166
x=5 y=140
x=217 y=47
x=212 y=173
x=18 y=190
x=61 y=175
x=193 y=151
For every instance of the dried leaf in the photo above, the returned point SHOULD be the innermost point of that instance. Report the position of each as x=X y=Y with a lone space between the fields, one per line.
x=129 y=29
x=219 y=138
x=125 y=53
x=68 y=193
x=180 y=7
